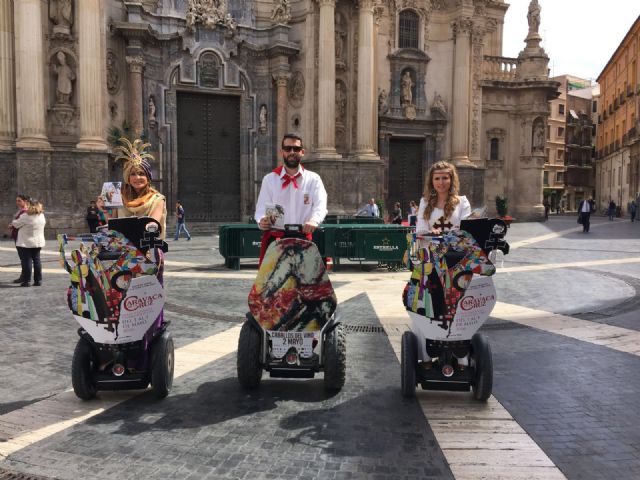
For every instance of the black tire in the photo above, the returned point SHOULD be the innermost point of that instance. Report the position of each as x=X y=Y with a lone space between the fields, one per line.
x=82 y=366
x=248 y=359
x=408 y=364
x=483 y=378
x=335 y=359
x=162 y=365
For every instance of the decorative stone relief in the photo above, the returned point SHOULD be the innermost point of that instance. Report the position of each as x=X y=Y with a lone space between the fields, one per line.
x=341 y=114
x=113 y=110
x=152 y=111
x=209 y=13
x=61 y=15
x=113 y=73
x=209 y=70
x=296 y=89
x=281 y=13
x=340 y=39
x=406 y=95
x=476 y=93
x=438 y=104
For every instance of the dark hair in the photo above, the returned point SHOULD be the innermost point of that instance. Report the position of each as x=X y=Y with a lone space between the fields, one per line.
x=293 y=136
x=24 y=198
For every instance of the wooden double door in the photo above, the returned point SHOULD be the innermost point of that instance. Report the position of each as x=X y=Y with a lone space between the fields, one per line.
x=209 y=156
x=406 y=177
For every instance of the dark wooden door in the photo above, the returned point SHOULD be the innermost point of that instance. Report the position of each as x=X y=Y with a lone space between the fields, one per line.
x=405 y=173
x=209 y=157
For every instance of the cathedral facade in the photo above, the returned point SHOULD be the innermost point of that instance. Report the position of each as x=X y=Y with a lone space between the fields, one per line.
x=378 y=89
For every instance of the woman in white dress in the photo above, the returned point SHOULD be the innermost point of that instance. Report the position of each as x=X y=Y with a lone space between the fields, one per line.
x=441 y=208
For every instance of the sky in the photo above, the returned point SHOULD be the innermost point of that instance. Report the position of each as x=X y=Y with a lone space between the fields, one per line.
x=579 y=36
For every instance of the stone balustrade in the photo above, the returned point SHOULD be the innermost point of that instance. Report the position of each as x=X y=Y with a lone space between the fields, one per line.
x=499 y=68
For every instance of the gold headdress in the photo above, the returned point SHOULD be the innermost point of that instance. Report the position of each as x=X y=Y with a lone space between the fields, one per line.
x=135 y=157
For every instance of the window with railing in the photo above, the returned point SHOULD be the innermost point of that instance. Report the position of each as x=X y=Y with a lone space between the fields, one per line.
x=409 y=29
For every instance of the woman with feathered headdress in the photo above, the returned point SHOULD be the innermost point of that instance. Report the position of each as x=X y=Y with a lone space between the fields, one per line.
x=140 y=199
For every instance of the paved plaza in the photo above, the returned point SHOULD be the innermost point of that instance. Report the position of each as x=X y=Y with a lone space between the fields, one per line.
x=566 y=345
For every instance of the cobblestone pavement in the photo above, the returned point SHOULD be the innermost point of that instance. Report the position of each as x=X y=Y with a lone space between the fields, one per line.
x=572 y=391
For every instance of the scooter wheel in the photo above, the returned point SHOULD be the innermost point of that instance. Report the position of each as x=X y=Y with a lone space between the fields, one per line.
x=483 y=378
x=162 y=364
x=408 y=363
x=335 y=359
x=248 y=359
x=82 y=371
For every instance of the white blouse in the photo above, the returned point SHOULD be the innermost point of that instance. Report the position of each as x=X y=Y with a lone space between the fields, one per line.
x=462 y=211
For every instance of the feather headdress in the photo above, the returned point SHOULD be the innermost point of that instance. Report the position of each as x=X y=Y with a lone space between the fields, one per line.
x=135 y=157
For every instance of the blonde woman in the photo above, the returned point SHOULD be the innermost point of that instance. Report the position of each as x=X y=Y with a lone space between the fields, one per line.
x=441 y=208
x=29 y=242
x=139 y=198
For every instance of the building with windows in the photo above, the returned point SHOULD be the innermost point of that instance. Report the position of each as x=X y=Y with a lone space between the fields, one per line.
x=378 y=90
x=618 y=142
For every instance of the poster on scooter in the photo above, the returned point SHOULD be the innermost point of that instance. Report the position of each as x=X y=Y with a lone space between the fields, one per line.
x=139 y=308
x=472 y=310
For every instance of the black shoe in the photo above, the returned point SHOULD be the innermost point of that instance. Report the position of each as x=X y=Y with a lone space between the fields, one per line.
x=37 y=284
x=17 y=280
x=25 y=284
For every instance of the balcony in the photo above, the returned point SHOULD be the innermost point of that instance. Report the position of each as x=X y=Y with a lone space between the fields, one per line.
x=629 y=90
x=616 y=104
x=499 y=68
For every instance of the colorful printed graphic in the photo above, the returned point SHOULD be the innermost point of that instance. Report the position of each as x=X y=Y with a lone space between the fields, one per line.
x=103 y=292
x=442 y=275
x=292 y=291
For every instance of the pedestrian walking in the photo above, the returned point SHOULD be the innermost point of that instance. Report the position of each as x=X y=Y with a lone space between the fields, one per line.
x=370 y=209
x=92 y=217
x=413 y=213
x=180 y=223
x=612 y=209
x=584 y=214
x=633 y=207
x=547 y=207
x=29 y=242
x=293 y=188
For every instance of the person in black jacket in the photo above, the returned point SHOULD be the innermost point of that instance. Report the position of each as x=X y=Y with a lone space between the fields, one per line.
x=584 y=213
x=92 y=216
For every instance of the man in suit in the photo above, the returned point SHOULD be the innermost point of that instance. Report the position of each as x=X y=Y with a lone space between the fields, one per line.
x=584 y=211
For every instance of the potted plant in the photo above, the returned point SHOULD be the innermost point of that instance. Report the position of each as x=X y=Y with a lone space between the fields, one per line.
x=502 y=207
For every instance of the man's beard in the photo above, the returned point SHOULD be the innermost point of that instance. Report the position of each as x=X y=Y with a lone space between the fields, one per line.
x=291 y=161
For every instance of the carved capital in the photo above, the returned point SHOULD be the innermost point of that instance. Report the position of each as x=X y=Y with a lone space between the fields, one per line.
x=366 y=5
x=327 y=3
x=136 y=64
x=477 y=35
x=281 y=79
x=462 y=26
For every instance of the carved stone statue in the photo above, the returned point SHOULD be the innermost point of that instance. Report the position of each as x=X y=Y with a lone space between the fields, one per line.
x=438 y=103
x=533 y=17
x=66 y=76
x=152 y=110
x=383 y=102
x=209 y=13
x=262 y=119
x=538 y=135
x=341 y=102
x=406 y=84
x=281 y=12
x=61 y=14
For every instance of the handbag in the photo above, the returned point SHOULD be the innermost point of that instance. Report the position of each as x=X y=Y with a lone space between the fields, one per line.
x=580 y=218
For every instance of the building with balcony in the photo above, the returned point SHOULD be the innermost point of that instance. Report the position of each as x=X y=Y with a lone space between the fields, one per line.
x=617 y=141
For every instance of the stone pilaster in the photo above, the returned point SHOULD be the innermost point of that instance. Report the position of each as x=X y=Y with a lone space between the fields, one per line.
x=327 y=80
x=32 y=131
x=461 y=75
x=136 y=66
x=91 y=87
x=282 y=82
x=7 y=81
x=365 y=139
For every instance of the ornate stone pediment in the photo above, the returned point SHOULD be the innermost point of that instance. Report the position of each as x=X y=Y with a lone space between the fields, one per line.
x=209 y=13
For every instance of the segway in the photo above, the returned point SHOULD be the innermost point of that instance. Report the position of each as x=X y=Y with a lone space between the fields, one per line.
x=117 y=297
x=449 y=297
x=291 y=329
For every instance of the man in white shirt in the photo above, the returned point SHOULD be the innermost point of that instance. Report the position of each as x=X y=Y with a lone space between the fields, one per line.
x=297 y=190
x=584 y=211
x=370 y=209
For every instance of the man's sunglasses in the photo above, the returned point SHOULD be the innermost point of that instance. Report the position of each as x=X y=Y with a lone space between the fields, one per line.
x=289 y=148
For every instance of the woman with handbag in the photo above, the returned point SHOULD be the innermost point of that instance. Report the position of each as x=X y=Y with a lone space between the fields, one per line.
x=22 y=202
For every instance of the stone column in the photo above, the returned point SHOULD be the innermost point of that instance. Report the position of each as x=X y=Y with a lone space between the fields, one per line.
x=282 y=82
x=7 y=83
x=32 y=130
x=461 y=75
x=327 y=80
x=91 y=88
x=136 y=65
x=366 y=80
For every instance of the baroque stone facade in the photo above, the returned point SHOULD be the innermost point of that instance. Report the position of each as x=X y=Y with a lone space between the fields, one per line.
x=378 y=89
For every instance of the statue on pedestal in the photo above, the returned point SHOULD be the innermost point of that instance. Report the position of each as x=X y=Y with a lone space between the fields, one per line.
x=533 y=17
x=66 y=76
x=61 y=14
